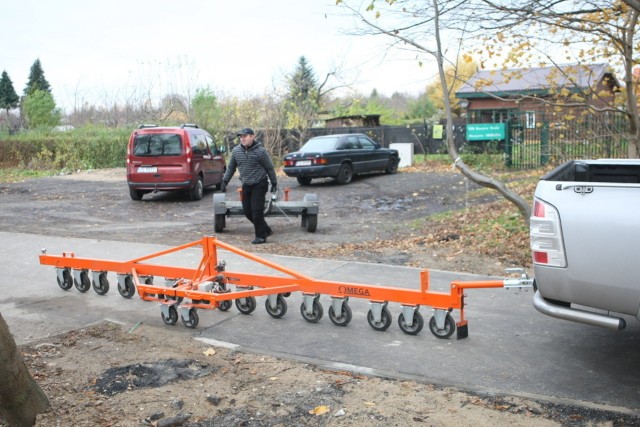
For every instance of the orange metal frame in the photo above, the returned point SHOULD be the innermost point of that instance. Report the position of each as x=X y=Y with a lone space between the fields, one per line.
x=189 y=281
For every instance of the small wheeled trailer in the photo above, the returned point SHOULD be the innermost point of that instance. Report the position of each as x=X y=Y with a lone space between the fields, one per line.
x=210 y=286
x=307 y=209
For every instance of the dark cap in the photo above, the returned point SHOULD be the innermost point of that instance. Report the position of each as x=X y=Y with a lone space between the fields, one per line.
x=246 y=131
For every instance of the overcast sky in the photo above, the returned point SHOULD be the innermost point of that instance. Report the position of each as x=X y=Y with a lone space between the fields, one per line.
x=98 y=51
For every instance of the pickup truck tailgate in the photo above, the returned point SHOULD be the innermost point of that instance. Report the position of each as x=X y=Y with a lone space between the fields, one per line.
x=600 y=231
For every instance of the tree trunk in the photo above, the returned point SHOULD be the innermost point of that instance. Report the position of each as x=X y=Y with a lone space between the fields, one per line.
x=21 y=399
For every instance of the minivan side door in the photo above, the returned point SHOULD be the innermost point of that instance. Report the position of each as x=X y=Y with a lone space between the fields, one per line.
x=216 y=162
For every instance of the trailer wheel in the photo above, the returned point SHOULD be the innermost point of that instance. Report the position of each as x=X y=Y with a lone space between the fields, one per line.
x=449 y=327
x=316 y=314
x=246 y=305
x=102 y=287
x=84 y=284
x=67 y=280
x=311 y=222
x=416 y=325
x=219 y=223
x=128 y=289
x=224 y=305
x=194 y=319
x=383 y=324
x=172 y=318
x=344 y=318
x=280 y=310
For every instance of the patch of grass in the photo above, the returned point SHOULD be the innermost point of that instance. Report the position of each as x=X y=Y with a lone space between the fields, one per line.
x=19 y=174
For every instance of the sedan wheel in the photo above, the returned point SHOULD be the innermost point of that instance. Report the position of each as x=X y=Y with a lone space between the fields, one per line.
x=304 y=180
x=345 y=174
x=392 y=167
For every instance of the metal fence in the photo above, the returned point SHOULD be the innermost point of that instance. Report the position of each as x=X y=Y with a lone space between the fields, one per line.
x=547 y=141
x=531 y=141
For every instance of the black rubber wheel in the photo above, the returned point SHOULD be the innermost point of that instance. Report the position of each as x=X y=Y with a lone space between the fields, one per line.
x=345 y=174
x=128 y=289
x=102 y=287
x=194 y=319
x=344 y=318
x=84 y=284
x=449 y=327
x=67 y=280
x=173 y=316
x=224 y=305
x=135 y=194
x=197 y=191
x=304 y=180
x=219 y=222
x=385 y=320
x=317 y=313
x=280 y=310
x=392 y=167
x=246 y=305
x=312 y=223
x=416 y=326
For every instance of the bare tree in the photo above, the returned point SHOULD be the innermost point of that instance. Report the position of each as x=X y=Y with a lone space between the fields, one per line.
x=21 y=399
x=412 y=21
x=583 y=31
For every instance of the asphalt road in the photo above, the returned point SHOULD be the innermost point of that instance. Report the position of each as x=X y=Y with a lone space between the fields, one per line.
x=511 y=349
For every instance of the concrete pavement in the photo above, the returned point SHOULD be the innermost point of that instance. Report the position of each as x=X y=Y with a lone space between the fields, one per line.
x=511 y=349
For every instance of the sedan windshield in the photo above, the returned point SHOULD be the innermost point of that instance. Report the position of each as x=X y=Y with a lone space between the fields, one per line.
x=320 y=145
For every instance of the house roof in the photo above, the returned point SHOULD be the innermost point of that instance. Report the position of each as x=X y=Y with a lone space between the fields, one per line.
x=530 y=81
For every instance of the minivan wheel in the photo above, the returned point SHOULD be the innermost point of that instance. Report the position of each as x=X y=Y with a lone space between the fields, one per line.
x=135 y=194
x=197 y=191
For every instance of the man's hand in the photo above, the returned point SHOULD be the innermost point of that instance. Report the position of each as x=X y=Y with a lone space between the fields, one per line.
x=274 y=188
x=223 y=187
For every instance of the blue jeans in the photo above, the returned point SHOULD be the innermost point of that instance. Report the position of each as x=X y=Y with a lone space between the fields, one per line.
x=253 y=197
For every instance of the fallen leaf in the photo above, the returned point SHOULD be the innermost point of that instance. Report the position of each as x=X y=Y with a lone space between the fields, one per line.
x=319 y=410
x=209 y=352
x=273 y=378
x=370 y=403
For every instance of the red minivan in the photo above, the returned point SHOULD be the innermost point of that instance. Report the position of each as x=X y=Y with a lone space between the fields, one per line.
x=180 y=158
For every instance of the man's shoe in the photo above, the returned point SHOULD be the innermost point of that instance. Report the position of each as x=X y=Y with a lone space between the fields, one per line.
x=258 y=241
x=269 y=231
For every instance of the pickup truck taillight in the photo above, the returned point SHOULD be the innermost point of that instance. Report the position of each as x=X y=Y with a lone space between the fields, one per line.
x=546 y=236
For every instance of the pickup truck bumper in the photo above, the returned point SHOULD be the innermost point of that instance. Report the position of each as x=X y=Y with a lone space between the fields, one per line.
x=581 y=316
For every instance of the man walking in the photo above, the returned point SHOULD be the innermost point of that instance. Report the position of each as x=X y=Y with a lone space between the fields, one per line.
x=256 y=170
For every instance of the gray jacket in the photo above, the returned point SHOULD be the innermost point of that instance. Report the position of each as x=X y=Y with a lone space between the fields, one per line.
x=253 y=163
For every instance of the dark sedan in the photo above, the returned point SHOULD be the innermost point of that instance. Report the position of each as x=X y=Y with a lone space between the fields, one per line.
x=340 y=157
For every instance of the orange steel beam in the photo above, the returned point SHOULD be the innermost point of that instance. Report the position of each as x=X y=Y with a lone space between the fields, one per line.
x=266 y=284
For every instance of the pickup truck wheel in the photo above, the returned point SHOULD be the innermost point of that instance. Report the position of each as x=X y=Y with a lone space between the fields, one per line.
x=345 y=174
x=304 y=180
x=220 y=222
x=392 y=167
x=197 y=191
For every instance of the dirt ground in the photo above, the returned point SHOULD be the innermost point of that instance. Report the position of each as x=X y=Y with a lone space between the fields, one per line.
x=112 y=375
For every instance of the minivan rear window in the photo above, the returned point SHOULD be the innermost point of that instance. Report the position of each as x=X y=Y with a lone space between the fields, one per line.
x=160 y=144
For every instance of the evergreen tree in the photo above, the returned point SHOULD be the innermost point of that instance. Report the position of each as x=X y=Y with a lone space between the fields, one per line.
x=40 y=110
x=303 y=95
x=36 y=80
x=8 y=96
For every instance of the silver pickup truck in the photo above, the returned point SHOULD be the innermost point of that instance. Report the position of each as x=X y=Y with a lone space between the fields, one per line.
x=585 y=240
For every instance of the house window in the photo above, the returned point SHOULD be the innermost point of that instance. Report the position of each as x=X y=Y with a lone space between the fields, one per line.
x=530 y=119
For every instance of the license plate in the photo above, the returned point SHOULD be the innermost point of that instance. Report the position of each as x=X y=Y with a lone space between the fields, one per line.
x=143 y=169
x=303 y=163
